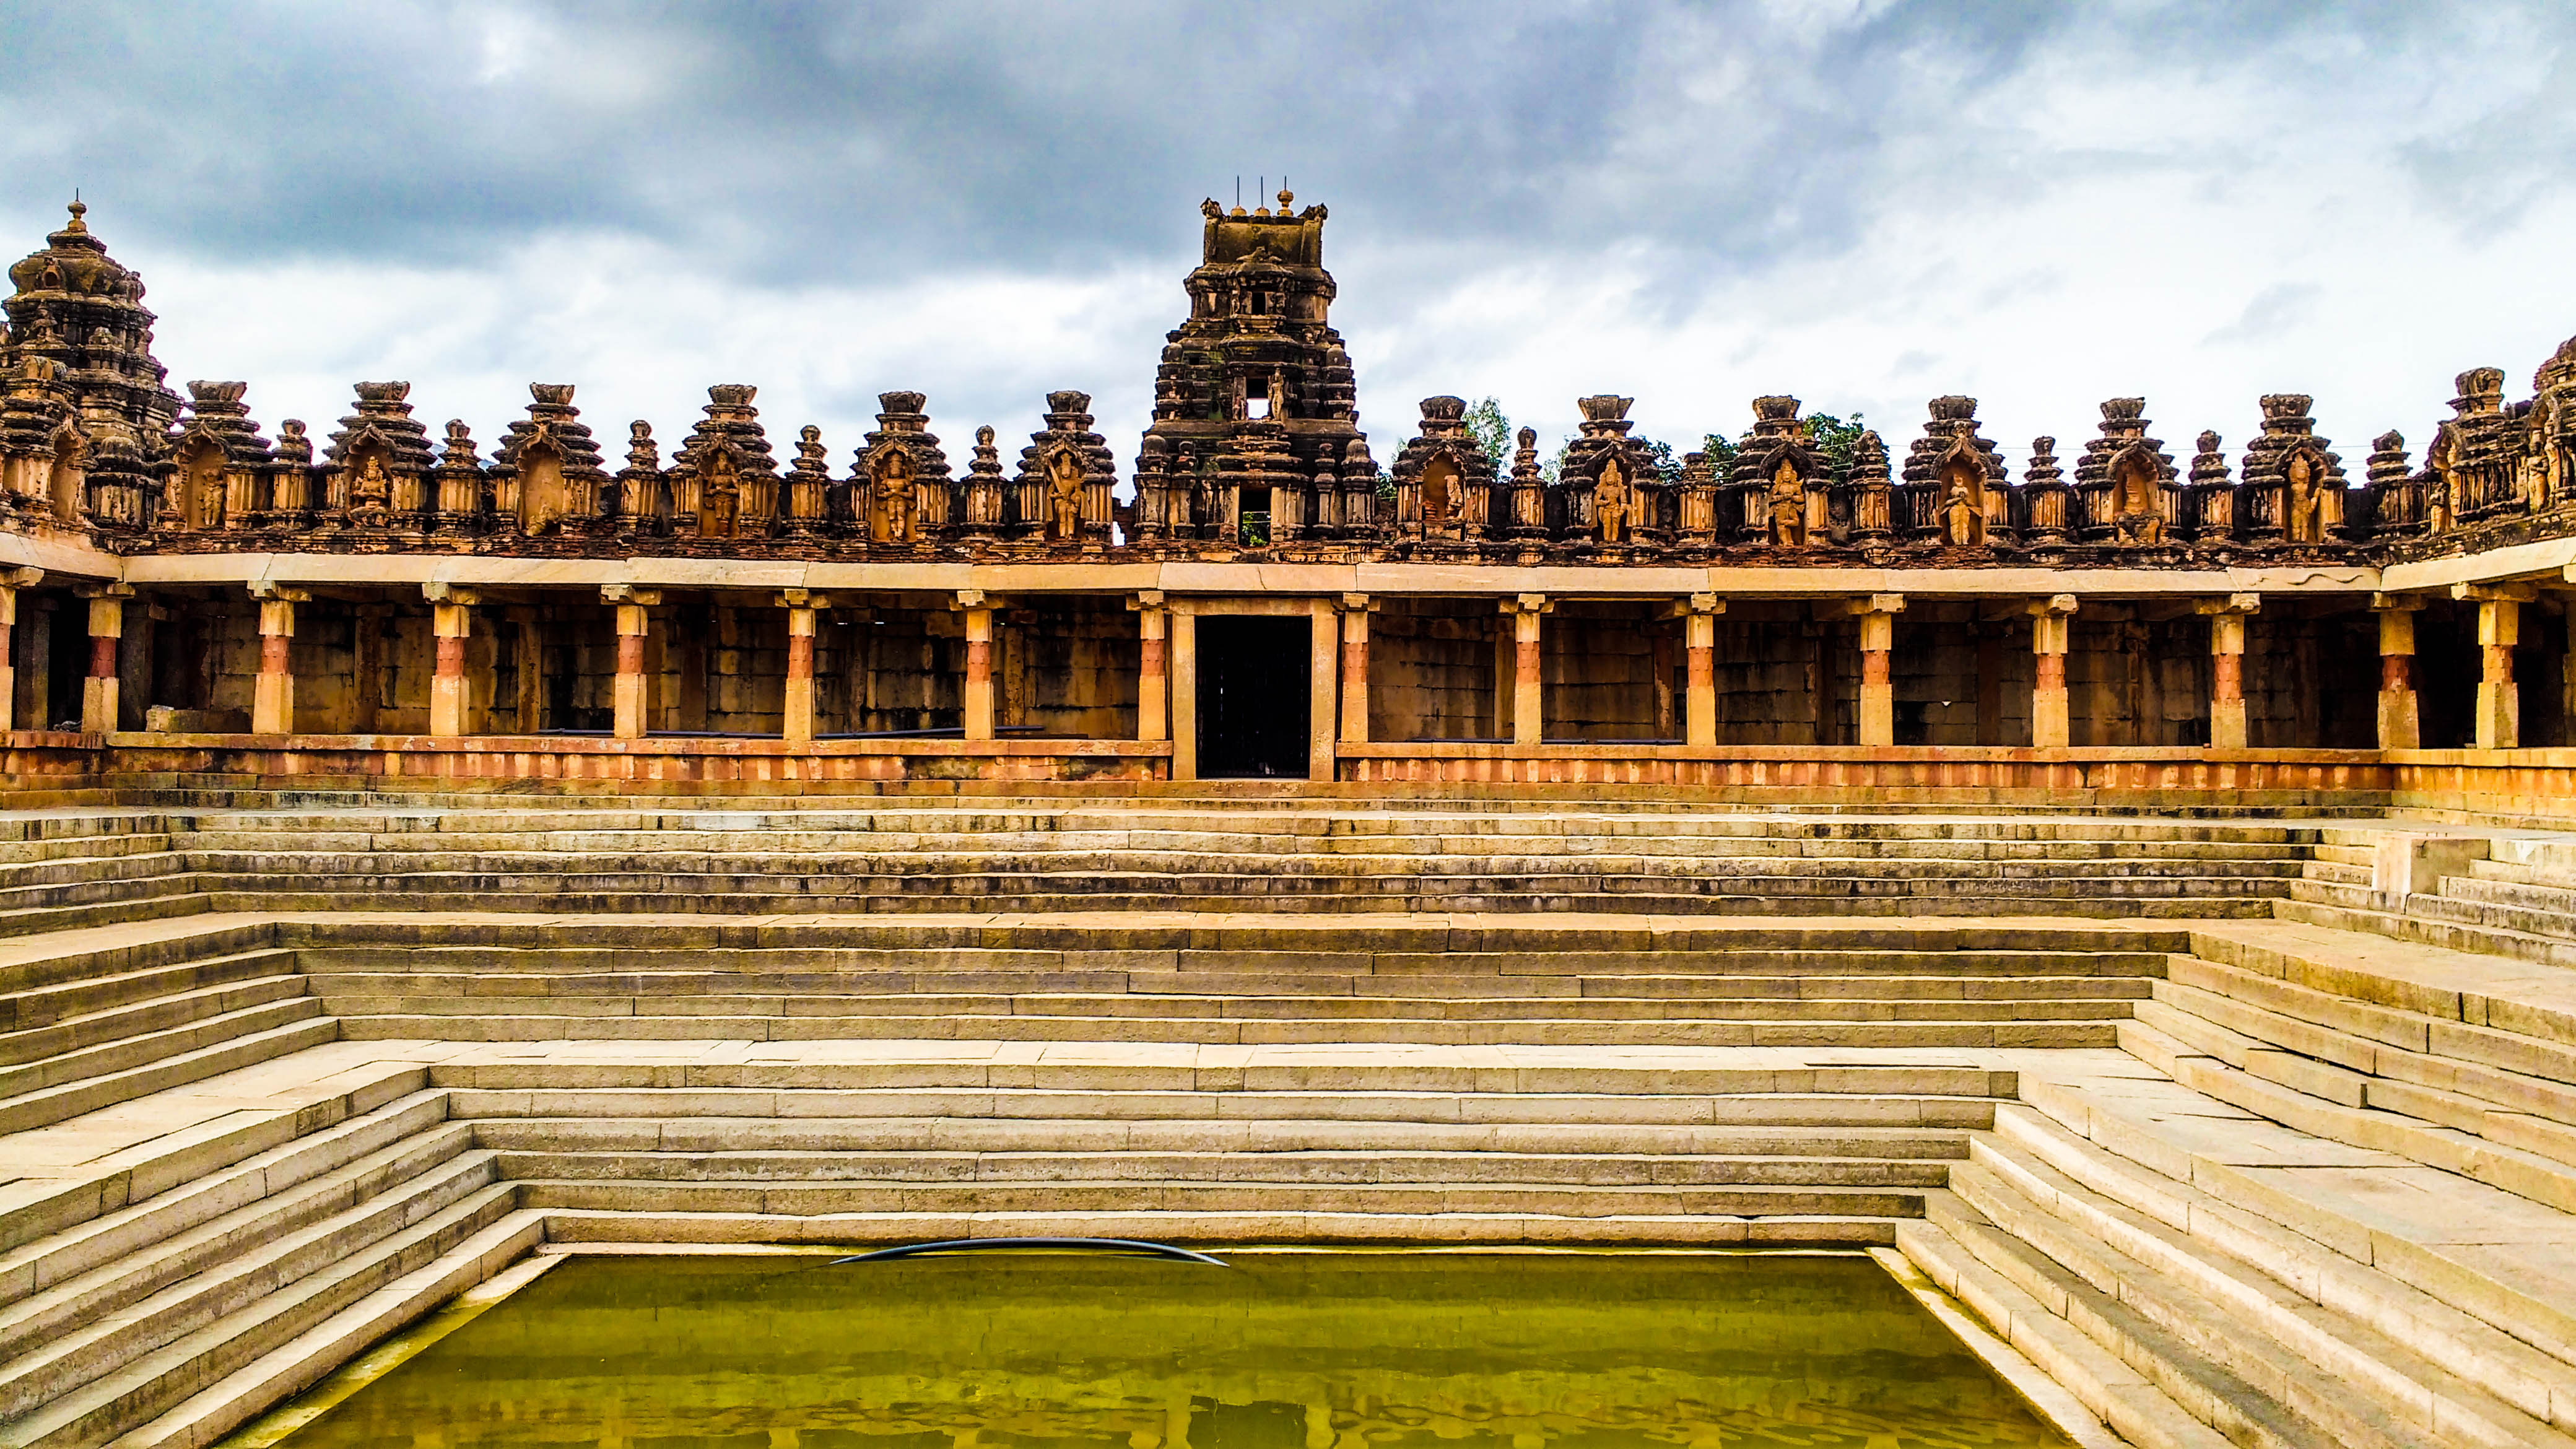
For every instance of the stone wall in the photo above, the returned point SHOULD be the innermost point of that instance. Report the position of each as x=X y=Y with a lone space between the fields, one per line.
x=1431 y=669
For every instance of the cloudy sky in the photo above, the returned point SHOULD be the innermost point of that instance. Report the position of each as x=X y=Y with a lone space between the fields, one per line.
x=1864 y=204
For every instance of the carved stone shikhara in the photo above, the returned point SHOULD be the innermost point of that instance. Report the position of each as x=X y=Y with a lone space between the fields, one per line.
x=1254 y=451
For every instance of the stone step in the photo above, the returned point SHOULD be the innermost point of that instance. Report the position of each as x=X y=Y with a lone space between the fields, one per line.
x=2250 y=1262
x=1110 y=966
x=1349 y=1123
x=2550 y=905
x=17 y=852
x=1388 y=1167
x=2346 y=909
x=61 y=1001
x=666 y=849
x=2334 y=874
x=2492 y=1254
x=21 y=827
x=699 y=1119
x=1266 y=993
x=2305 y=1384
x=48 y=1368
x=88 y=1094
x=354 y=996
x=2134 y=1407
x=610 y=1087
x=2328 y=1102
x=1267 y=819
x=1103 y=1195
x=1274 y=1224
x=308 y=1357
x=2250 y=903
x=478 y=1025
x=2206 y=1388
x=184 y=1187
x=143 y=1388
x=152 y=1018
x=80 y=1063
x=180 y=898
x=77 y=960
x=2417 y=1065
x=143 y=1268
x=1120 y=937
x=2363 y=854
x=65 y=1176
x=89 y=869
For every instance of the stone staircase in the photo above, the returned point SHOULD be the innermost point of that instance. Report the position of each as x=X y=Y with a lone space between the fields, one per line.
x=1218 y=854
x=2519 y=901
x=107 y=1021
x=1616 y=981
x=61 y=870
x=2340 y=1214
x=2230 y=1179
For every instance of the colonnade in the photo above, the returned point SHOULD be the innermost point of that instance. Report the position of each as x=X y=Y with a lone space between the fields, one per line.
x=1340 y=661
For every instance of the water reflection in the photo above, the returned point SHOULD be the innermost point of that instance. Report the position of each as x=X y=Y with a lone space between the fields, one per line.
x=1287 y=1351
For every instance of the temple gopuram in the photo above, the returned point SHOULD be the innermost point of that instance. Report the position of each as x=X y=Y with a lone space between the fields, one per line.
x=191 y=590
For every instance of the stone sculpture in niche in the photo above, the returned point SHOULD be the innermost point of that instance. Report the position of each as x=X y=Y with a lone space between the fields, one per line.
x=2135 y=514
x=1610 y=503
x=1064 y=497
x=720 y=498
x=1788 y=506
x=1963 y=522
x=2302 y=506
x=369 y=495
x=892 y=508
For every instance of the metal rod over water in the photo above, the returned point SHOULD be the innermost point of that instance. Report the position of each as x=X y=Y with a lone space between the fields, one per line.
x=981 y=1245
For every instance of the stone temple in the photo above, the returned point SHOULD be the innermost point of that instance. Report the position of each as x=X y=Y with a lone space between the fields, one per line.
x=2125 y=896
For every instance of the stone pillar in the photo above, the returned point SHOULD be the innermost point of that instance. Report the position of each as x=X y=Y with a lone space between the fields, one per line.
x=1877 y=615
x=978 y=609
x=2499 y=698
x=2051 y=621
x=796 y=721
x=1355 y=667
x=2227 y=667
x=1699 y=640
x=11 y=581
x=1153 y=685
x=1528 y=699
x=452 y=622
x=633 y=695
x=99 y=692
x=272 y=698
x=2400 y=720
x=1185 y=695
x=1324 y=652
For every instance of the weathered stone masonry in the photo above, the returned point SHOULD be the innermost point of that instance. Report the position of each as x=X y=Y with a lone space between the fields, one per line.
x=181 y=581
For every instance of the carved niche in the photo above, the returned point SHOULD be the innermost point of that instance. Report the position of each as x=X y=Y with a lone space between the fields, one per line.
x=720 y=496
x=1064 y=489
x=893 y=499
x=1614 y=502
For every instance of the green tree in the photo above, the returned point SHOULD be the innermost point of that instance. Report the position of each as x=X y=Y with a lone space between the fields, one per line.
x=1721 y=453
x=1492 y=432
x=1834 y=437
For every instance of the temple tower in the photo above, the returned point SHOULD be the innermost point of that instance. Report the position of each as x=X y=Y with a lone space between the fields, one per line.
x=1253 y=401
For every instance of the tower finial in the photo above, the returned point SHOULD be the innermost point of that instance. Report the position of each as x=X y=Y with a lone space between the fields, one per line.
x=78 y=210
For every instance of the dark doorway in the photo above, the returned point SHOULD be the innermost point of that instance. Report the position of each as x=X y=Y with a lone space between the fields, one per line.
x=1252 y=697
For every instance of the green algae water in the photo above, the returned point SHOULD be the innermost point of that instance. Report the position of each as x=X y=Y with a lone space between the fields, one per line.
x=1280 y=1351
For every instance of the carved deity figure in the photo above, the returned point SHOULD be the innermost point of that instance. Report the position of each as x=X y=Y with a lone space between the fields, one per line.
x=1064 y=497
x=2437 y=504
x=370 y=492
x=1278 y=396
x=1610 y=503
x=1788 y=507
x=1439 y=494
x=720 y=500
x=1963 y=523
x=2302 y=507
x=2137 y=519
x=891 y=502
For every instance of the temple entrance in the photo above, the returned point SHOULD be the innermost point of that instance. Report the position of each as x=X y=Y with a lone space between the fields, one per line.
x=1253 y=697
